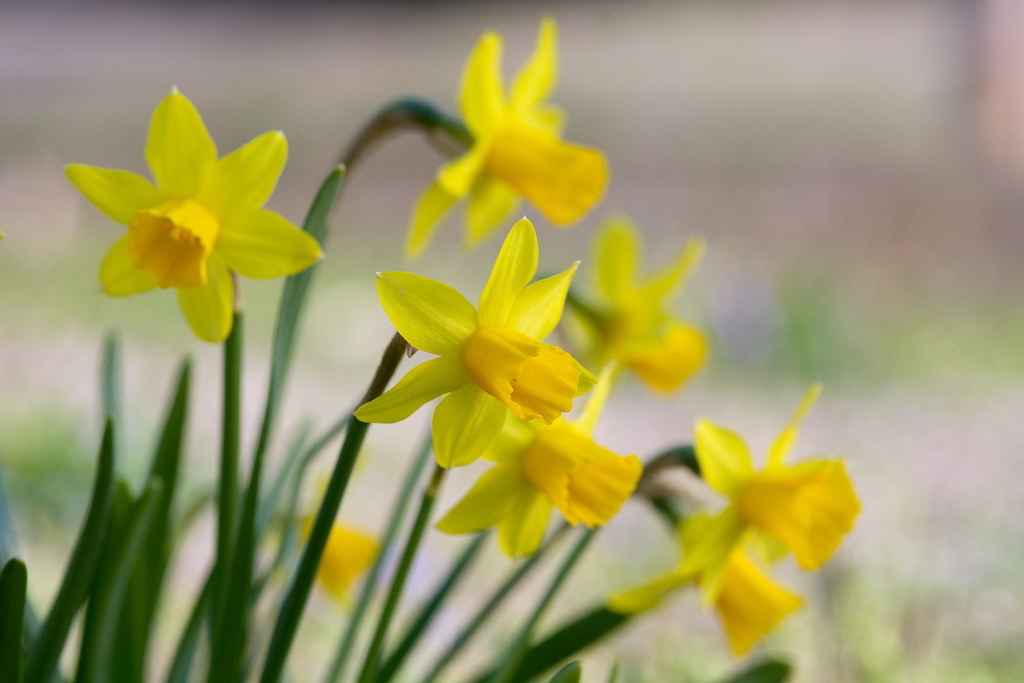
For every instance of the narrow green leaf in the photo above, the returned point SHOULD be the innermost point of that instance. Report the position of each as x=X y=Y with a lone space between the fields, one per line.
x=13 y=582
x=111 y=589
x=412 y=544
x=42 y=659
x=7 y=549
x=509 y=670
x=231 y=629
x=564 y=643
x=110 y=381
x=139 y=608
x=397 y=514
x=613 y=674
x=227 y=498
x=768 y=671
x=188 y=643
x=570 y=673
x=429 y=610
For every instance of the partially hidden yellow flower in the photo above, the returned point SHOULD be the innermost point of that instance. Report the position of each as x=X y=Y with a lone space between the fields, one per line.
x=540 y=466
x=349 y=552
x=805 y=508
x=202 y=220
x=748 y=602
x=631 y=324
x=517 y=150
x=491 y=361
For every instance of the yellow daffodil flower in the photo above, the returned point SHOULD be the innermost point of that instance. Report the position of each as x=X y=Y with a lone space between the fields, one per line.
x=348 y=554
x=516 y=152
x=748 y=602
x=489 y=361
x=631 y=325
x=805 y=508
x=201 y=221
x=542 y=466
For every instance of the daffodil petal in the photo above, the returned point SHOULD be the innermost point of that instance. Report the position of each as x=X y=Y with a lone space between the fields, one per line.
x=670 y=279
x=513 y=269
x=179 y=151
x=536 y=78
x=431 y=207
x=486 y=503
x=538 y=306
x=708 y=542
x=617 y=250
x=262 y=244
x=480 y=96
x=458 y=175
x=522 y=530
x=119 y=194
x=587 y=420
x=490 y=203
x=119 y=275
x=429 y=314
x=647 y=595
x=465 y=423
x=513 y=439
x=244 y=180
x=208 y=307
x=724 y=458
x=750 y=604
x=423 y=383
x=784 y=442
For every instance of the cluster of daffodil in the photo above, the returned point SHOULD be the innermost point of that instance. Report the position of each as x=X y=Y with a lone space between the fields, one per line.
x=507 y=396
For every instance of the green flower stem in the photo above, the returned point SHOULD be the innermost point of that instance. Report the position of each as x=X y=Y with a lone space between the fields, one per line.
x=679 y=456
x=516 y=652
x=586 y=310
x=491 y=606
x=430 y=609
x=398 y=508
x=406 y=113
x=13 y=580
x=302 y=581
x=227 y=500
x=230 y=630
x=370 y=663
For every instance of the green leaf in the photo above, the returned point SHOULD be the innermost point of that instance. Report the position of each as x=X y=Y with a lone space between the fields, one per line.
x=230 y=630
x=429 y=609
x=99 y=643
x=570 y=673
x=110 y=380
x=139 y=608
x=43 y=657
x=188 y=643
x=768 y=671
x=227 y=497
x=565 y=642
x=395 y=517
x=13 y=582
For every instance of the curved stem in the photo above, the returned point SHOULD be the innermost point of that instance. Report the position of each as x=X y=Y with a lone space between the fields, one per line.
x=404 y=114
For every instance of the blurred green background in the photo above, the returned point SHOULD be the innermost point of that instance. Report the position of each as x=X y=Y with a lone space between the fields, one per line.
x=853 y=166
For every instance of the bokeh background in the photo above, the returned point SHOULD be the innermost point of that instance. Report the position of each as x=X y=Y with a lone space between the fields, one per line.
x=854 y=168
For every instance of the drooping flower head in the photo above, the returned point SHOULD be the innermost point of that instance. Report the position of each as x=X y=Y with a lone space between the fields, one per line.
x=348 y=553
x=490 y=362
x=199 y=221
x=517 y=150
x=540 y=466
x=747 y=601
x=631 y=324
x=804 y=509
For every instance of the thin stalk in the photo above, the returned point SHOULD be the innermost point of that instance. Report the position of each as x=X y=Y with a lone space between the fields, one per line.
x=491 y=606
x=398 y=508
x=370 y=663
x=227 y=500
x=430 y=609
x=405 y=114
x=302 y=582
x=519 y=646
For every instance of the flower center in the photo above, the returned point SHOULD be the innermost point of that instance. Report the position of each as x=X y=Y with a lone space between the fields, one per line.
x=586 y=482
x=173 y=242
x=561 y=179
x=534 y=379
